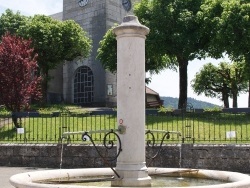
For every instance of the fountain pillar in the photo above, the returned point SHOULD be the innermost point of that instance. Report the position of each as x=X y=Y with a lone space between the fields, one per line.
x=131 y=165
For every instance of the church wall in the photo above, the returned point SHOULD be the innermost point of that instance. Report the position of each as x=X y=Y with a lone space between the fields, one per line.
x=92 y=18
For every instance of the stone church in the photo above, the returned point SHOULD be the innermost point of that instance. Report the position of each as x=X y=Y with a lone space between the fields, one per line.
x=84 y=81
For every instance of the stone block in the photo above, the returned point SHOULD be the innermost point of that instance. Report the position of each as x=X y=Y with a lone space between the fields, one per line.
x=32 y=151
x=29 y=161
x=3 y=151
x=16 y=161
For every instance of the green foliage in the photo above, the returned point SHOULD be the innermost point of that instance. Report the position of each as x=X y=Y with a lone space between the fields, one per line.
x=194 y=29
x=164 y=109
x=173 y=25
x=107 y=54
x=4 y=111
x=55 y=41
x=231 y=29
x=207 y=81
x=49 y=109
x=226 y=80
x=176 y=32
x=75 y=41
x=11 y=22
x=214 y=109
x=234 y=28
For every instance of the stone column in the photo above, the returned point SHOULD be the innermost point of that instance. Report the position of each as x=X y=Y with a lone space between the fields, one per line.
x=131 y=165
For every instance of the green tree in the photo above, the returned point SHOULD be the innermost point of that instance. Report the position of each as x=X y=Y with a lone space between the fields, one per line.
x=107 y=51
x=55 y=41
x=238 y=80
x=107 y=54
x=235 y=32
x=10 y=22
x=207 y=81
x=226 y=80
x=231 y=21
x=175 y=31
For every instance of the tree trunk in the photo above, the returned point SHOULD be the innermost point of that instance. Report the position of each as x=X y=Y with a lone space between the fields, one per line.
x=225 y=97
x=183 y=64
x=15 y=121
x=226 y=103
x=45 y=79
x=235 y=103
x=247 y=59
x=249 y=94
x=235 y=94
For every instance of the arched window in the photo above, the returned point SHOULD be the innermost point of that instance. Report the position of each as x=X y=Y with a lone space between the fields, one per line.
x=83 y=86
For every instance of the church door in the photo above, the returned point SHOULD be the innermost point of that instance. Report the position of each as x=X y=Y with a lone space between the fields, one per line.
x=83 y=86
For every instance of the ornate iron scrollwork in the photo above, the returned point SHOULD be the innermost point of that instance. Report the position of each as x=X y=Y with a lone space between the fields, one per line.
x=152 y=143
x=108 y=144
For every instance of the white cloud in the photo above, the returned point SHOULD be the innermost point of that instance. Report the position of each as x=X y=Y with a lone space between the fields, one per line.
x=31 y=7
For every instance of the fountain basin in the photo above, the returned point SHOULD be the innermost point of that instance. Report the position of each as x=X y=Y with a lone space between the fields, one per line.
x=31 y=179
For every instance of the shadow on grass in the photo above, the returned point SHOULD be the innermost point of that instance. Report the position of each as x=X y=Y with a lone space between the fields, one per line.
x=7 y=134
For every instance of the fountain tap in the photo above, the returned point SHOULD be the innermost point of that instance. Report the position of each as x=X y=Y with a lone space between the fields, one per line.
x=121 y=129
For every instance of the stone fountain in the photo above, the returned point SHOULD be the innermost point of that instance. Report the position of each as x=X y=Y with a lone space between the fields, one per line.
x=131 y=166
x=131 y=163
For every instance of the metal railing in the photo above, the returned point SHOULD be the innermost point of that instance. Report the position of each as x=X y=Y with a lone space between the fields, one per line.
x=194 y=125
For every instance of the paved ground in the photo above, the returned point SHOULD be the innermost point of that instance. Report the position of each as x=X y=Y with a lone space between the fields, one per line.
x=7 y=172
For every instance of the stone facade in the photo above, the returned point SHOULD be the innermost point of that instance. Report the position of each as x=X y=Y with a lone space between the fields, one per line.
x=215 y=157
x=85 y=82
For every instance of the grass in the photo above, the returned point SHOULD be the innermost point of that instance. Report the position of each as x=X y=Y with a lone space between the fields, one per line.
x=209 y=127
x=49 y=129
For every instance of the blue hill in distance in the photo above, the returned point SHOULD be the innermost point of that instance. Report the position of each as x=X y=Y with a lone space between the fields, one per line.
x=173 y=102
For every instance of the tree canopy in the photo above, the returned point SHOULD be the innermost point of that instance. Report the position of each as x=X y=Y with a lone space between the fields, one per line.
x=176 y=32
x=107 y=54
x=10 y=22
x=226 y=80
x=231 y=29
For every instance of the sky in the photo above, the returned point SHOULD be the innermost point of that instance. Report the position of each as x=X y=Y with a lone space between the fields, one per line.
x=166 y=83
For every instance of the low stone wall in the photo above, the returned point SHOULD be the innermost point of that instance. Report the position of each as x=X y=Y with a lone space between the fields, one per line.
x=217 y=157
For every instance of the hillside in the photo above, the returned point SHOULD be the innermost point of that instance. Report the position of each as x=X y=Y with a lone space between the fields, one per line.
x=173 y=102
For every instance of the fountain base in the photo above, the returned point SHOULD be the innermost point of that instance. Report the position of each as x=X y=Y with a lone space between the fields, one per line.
x=133 y=179
x=34 y=179
x=132 y=175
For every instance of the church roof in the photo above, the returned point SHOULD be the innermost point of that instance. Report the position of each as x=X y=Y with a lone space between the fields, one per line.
x=57 y=16
x=150 y=91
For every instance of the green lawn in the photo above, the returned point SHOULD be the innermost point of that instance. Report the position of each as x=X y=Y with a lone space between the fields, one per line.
x=200 y=128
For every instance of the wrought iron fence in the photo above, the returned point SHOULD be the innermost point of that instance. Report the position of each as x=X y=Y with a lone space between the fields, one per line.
x=194 y=126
